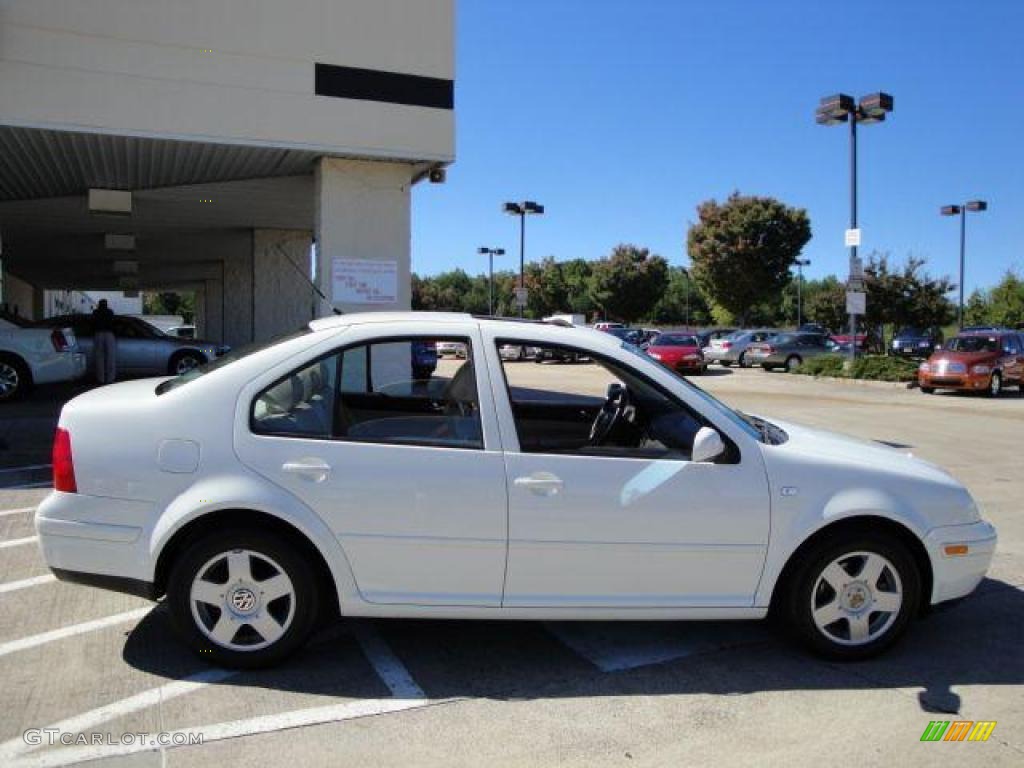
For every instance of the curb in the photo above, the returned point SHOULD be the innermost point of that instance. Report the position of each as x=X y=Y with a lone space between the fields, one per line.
x=864 y=382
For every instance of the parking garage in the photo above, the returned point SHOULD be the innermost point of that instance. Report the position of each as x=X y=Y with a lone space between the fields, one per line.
x=259 y=155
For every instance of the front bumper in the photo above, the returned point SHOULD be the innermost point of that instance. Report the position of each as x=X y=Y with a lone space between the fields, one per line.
x=965 y=381
x=104 y=537
x=955 y=576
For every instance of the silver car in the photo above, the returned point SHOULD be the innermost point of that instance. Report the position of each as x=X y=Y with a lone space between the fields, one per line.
x=732 y=349
x=142 y=349
x=789 y=350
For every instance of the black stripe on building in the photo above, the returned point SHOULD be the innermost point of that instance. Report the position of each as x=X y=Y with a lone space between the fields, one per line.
x=388 y=87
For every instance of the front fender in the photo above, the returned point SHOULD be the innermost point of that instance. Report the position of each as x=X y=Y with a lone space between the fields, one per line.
x=216 y=493
x=793 y=524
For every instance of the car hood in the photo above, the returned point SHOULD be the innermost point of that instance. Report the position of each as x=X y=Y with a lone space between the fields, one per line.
x=865 y=454
x=963 y=357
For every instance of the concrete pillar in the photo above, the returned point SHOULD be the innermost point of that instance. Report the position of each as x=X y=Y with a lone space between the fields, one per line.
x=362 y=230
x=284 y=300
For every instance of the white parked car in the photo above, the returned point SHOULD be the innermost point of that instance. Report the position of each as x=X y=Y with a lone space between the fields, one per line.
x=451 y=349
x=30 y=356
x=319 y=475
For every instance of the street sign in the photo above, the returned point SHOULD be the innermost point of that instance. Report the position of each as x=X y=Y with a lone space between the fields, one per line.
x=856 y=303
x=852 y=238
x=522 y=294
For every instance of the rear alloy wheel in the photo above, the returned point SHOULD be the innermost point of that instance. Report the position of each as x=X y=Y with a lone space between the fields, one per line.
x=243 y=599
x=15 y=378
x=995 y=385
x=853 y=599
x=792 y=363
x=185 y=362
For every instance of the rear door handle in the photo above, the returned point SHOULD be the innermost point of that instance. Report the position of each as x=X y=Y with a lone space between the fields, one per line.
x=541 y=483
x=313 y=469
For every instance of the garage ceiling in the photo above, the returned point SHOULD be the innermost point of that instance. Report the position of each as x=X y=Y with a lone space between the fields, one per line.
x=40 y=163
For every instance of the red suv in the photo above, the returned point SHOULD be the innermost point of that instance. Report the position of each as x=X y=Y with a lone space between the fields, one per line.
x=976 y=361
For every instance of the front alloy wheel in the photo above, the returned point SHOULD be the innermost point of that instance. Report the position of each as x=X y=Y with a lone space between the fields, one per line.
x=11 y=382
x=854 y=598
x=995 y=385
x=185 y=363
x=243 y=598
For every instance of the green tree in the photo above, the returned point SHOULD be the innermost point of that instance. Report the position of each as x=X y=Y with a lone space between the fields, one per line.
x=627 y=283
x=1006 y=301
x=826 y=303
x=906 y=296
x=978 y=309
x=681 y=304
x=742 y=251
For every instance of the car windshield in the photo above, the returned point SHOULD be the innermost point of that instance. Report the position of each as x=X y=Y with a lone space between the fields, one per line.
x=675 y=340
x=974 y=344
x=225 y=360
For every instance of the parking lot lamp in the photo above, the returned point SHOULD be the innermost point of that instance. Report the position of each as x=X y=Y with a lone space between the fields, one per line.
x=841 y=108
x=522 y=210
x=491 y=253
x=975 y=206
x=800 y=264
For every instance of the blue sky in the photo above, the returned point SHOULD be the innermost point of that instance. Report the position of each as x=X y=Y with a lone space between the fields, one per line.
x=620 y=117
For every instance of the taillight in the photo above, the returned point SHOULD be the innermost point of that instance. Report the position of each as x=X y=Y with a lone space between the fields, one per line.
x=726 y=345
x=63 y=465
x=770 y=350
x=58 y=340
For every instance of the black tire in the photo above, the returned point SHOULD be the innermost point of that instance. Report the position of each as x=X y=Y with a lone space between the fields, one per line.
x=768 y=367
x=190 y=360
x=15 y=378
x=793 y=362
x=995 y=385
x=277 y=549
x=801 y=585
x=724 y=363
x=928 y=390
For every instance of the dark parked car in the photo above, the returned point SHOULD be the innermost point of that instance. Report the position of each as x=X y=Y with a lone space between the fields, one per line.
x=142 y=349
x=789 y=350
x=916 y=342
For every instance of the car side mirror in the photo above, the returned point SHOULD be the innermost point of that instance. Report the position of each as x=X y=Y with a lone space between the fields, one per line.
x=707 y=445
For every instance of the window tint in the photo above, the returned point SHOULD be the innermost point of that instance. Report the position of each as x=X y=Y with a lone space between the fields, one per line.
x=595 y=407
x=394 y=391
x=1010 y=345
x=300 y=405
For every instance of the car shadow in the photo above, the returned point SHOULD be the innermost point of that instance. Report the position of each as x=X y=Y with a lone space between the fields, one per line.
x=972 y=642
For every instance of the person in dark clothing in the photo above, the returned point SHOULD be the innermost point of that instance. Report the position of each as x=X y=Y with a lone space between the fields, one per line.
x=104 y=343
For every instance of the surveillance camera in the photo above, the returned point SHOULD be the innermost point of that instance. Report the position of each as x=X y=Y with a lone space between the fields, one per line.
x=437 y=175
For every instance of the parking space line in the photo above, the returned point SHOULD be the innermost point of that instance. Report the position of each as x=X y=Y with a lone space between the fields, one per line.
x=16 y=748
x=35 y=581
x=386 y=664
x=18 y=542
x=619 y=646
x=331 y=713
x=25 y=468
x=19 y=511
x=32 y=641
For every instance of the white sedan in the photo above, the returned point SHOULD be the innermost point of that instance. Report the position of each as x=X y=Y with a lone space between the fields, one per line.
x=318 y=475
x=30 y=356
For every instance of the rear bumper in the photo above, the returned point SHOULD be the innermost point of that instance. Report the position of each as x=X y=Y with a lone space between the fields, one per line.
x=67 y=366
x=91 y=535
x=955 y=576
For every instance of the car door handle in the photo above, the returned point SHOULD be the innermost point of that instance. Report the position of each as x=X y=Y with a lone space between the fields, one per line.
x=541 y=483
x=314 y=469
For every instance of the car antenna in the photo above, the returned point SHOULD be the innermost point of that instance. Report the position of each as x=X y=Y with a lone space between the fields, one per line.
x=306 y=277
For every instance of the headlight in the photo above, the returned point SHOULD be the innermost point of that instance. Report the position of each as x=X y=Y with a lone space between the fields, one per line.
x=923 y=344
x=655 y=355
x=924 y=367
x=980 y=369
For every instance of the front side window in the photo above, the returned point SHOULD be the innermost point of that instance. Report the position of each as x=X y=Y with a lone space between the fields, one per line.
x=392 y=391
x=597 y=407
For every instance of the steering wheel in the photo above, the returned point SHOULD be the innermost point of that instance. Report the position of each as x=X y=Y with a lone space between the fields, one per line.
x=611 y=413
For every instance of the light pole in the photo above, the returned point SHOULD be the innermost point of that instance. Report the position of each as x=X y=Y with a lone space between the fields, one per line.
x=491 y=253
x=961 y=210
x=687 y=273
x=841 y=108
x=800 y=264
x=522 y=210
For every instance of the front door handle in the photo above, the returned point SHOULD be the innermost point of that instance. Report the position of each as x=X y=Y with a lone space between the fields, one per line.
x=313 y=469
x=541 y=483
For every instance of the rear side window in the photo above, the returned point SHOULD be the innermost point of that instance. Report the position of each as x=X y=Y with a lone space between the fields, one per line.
x=396 y=391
